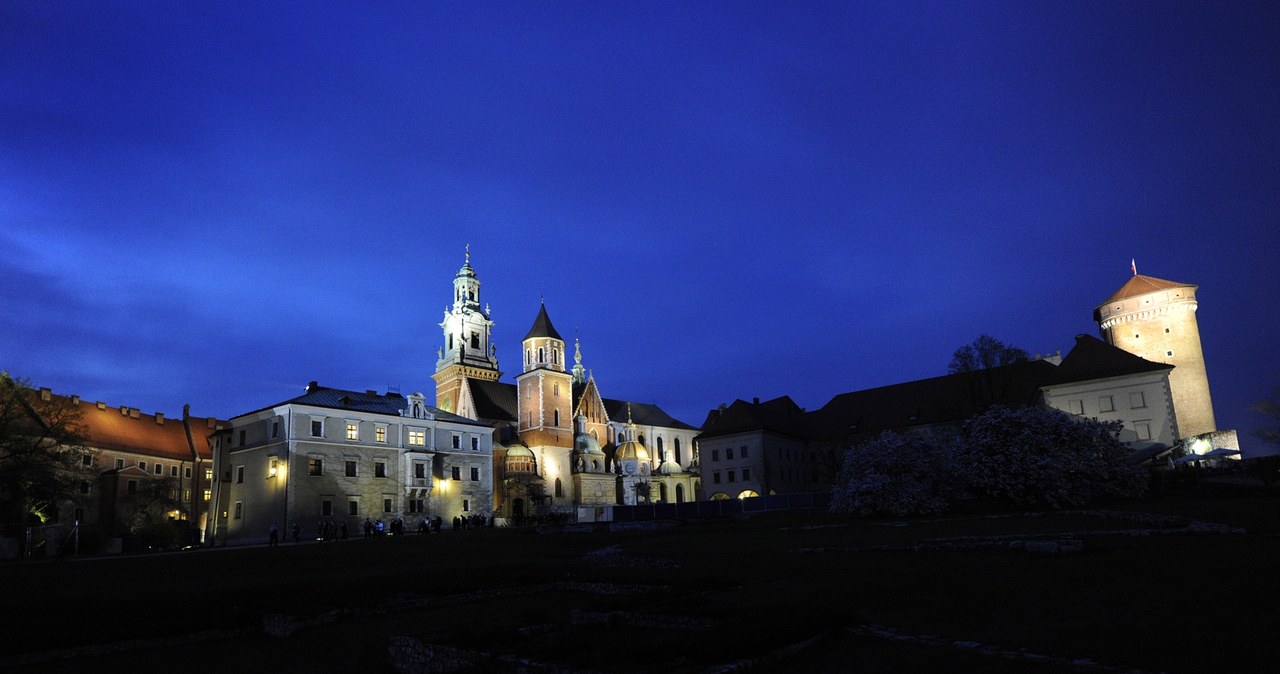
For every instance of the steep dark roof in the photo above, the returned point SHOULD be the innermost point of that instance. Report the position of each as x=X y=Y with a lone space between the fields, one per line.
x=642 y=414
x=542 y=326
x=391 y=404
x=939 y=400
x=1092 y=358
x=780 y=415
x=495 y=401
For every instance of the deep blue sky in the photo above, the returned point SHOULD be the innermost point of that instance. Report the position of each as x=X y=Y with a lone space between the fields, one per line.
x=215 y=203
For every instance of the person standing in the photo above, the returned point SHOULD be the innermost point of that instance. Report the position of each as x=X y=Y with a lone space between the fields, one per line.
x=275 y=534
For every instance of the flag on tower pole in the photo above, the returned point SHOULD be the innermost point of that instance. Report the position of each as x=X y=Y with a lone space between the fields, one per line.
x=1133 y=264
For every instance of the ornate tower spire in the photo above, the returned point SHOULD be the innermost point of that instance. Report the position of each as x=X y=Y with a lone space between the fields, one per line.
x=579 y=372
x=468 y=352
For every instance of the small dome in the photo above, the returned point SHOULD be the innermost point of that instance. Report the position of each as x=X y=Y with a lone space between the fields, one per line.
x=631 y=451
x=519 y=450
x=670 y=468
x=585 y=444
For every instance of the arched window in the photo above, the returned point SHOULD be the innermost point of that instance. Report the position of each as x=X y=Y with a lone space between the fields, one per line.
x=679 y=493
x=679 y=457
x=557 y=417
x=594 y=436
x=640 y=439
x=559 y=488
x=659 y=446
x=662 y=493
x=542 y=355
x=747 y=493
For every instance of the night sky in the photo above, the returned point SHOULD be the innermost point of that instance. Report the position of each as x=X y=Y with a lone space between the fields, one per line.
x=216 y=203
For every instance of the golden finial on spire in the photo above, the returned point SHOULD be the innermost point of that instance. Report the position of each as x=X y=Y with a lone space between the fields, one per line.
x=468 y=253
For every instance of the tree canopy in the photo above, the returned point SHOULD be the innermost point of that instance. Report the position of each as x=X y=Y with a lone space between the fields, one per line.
x=984 y=353
x=41 y=450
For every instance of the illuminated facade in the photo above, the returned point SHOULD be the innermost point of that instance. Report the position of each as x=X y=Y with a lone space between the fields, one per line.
x=1156 y=320
x=555 y=438
x=332 y=457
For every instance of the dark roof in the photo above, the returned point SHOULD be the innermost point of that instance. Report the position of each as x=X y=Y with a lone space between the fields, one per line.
x=780 y=415
x=1092 y=358
x=542 y=326
x=391 y=404
x=642 y=414
x=1141 y=285
x=494 y=400
x=939 y=400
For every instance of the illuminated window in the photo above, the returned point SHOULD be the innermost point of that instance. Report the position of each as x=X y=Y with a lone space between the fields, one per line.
x=208 y=494
x=379 y=468
x=417 y=437
x=353 y=431
x=380 y=434
x=186 y=495
x=351 y=468
x=208 y=475
x=1137 y=400
x=315 y=466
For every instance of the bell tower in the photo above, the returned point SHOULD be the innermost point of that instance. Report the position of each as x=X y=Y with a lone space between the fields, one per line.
x=545 y=388
x=468 y=351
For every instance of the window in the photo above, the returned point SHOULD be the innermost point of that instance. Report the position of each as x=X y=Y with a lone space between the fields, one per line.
x=379 y=468
x=380 y=434
x=715 y=477
x=1137 y=400
x=84 y=486
x=1106 y=404
x=326 y=507
x=275 y=428
x=417 y=437
x=186 y=495
x=556 y=417
x=420 y=470
x=142 y=465
x=119 y=464
x=173 y=471
x=208 y=475
x=743 y=454
x=1168 y=353
x=131 y=487
x=728 y=453
x=239 y=474
x=1075 y=406
x=159 y=469
x=386 y=505
x=1143 y=429
x=351 y=468
x=746 y=474
x=317 y=428
x=475 y=337
x=353 y=507
x=456 y=472
x=715 y=455
x=186 y=472
x=733 y=476
x=242 y=438
x=475 y=475
x=315 y=466
x=475 y=444
x=679 y=459
x=466 y=505
x=239 y=509
x=208 y=494
x=457 y=441
x=555 y=390
x=353 y=431
x=559 y=488
x=86 y=460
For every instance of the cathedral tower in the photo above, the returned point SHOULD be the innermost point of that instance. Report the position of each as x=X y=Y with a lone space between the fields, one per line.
x=468 y=351
x=1156 y=320
x=545 y=389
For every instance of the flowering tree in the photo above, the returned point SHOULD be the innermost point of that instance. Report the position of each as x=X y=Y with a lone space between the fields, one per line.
x=894 y=475
x=1044 y=457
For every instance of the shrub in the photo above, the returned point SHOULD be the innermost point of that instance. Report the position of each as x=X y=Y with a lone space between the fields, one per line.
x=894 y=475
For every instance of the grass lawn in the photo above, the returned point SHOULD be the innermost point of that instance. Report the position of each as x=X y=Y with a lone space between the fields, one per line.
x=696 y=596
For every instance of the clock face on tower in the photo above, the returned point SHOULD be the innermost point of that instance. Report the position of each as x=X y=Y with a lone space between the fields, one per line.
x=629 y=468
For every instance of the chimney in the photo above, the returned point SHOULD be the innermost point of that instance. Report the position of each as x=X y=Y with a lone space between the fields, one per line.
x=159 y=418
x=75 y=400
x=755 y=401
x=124 y=410
x=46 y=394
x=134 y=412
x=101 y=405
x=186 y=410
x=312 y=385
x=211 y=422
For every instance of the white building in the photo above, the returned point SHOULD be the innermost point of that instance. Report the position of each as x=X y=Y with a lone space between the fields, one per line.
x=331 y=457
